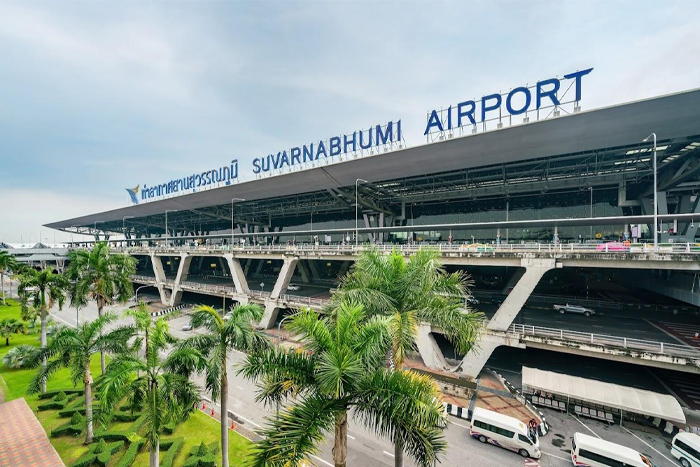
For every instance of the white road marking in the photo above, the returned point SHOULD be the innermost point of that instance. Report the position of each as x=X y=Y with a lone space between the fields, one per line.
x=553 y=455
x=242 y=389
x=388 y=454
x=351 y=437
x=458 y=424
x=650 y=446
x=319 y=459
x=585 y=426
x=249 y=421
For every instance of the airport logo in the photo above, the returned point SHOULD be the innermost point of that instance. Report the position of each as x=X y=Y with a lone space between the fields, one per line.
x=226 y=175
x=133 y=192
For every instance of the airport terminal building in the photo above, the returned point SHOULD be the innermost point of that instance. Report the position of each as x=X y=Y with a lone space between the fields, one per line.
x=558 y=207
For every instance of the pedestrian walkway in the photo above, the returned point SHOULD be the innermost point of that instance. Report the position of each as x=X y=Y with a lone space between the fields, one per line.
x=492 y=395
x=683 y=331
x=24 y=441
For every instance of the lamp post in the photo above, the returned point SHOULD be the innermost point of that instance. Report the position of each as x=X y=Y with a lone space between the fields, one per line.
x=232 y=200
x=136 y=295
x=124 y=225
x=94 y=226
x=656 y=206
x=357 y=204
x=166 y=224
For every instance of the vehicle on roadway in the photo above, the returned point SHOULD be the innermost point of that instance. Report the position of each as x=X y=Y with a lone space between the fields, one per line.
x=471 y=300
x=187 y=327
x=503 y=431
x=568 y=308
x=593 y=452
x=686 y=448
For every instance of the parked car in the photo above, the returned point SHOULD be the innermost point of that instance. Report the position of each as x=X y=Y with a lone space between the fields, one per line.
x=293 y=287
x=568 y=308
x=471 y=300
x=187 y=327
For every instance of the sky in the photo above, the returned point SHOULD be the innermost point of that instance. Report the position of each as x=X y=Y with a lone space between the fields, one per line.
x=99 y=96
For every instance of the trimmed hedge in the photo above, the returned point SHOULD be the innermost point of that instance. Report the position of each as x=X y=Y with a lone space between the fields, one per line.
x=54 y=392
x=169 y=429
x=122 y=435
x=99 y=453
x=202 y=456
x=126 y=417
x=131 y=453
x=171 y=447
x=58 y=402
x=74 y=427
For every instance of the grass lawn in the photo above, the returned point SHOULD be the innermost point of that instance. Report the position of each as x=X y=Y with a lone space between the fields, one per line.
x=199 y=427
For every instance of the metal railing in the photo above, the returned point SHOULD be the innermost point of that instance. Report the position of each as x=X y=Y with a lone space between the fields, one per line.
x=138 y=278
x=298 y=299
x=445 y=248
x=663 y=348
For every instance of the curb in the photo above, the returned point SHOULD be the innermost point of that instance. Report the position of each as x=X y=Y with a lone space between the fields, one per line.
x=544 y=426
x=459 y=412
x=169 y=310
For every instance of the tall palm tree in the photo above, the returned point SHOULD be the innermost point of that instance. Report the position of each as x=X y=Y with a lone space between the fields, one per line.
x=341 y=372
x=74 y=348
x=154 y=385
x=43 y=289
x=9 y=326
x=7 y=262
x=142 y=323
x=408 y=293
x=101 y=276
x=235 y=333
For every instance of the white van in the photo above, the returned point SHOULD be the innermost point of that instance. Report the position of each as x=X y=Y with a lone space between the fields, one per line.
x=594 y=452
x=504 y=431
x=686 y=448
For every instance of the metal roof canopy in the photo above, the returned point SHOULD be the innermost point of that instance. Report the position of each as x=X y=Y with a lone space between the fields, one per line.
x=607 y=394
x=671 y=116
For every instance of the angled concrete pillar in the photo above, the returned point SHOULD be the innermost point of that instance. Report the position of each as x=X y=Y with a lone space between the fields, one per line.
x=258 y=268
x=509 y=309
x=158 y=271
x=474 y=361
x=370 y=235
x=284 y=278
x=314 y=269
x=270 y=315
x=239 y=280
x=514 y=279
x=429 y=349
x=247 y=266
x=183 y=269
x=304 y=271
x=343 y=269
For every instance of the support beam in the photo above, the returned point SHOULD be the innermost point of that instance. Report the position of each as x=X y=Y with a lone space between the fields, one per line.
x=304 y=271
x=271 y=306
x=509 y=309
x=182 y=272
x=474 y=361
x=270 y=315
x=343 y=269
x=314 y=270
x=160 y=279
x=239 y=280
x=429 y=349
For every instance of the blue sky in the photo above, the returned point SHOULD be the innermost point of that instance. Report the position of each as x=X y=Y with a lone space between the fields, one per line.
x=99 y=96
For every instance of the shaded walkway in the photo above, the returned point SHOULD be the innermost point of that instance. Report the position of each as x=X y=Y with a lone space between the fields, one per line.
x=23 y=443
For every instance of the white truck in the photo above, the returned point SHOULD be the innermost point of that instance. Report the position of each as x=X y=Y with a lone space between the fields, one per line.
x=568 y=308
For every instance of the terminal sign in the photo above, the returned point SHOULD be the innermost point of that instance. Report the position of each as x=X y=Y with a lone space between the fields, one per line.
x=517 y=101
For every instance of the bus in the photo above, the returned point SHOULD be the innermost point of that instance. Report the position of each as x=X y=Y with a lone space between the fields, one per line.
x=593 y=452
x=686 y=448
x=503 y=431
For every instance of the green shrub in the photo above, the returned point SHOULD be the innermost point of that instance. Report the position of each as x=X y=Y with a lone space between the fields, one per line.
x=100 y=458
x=77 y=419
x=54 y=392
x=126 y=417
x=128 y=458
x=18 y=357
x=60 y=396
x=202 y=456
x=171 y=447
x=169 y=429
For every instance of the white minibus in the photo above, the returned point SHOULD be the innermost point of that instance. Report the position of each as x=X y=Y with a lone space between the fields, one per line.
x=593 y=452
x=504 y=431
x=686 y=448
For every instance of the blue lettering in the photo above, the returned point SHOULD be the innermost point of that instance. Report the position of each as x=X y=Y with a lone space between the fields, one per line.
x=285 y=159
x=469 y=113
x=335 y=146
x=528 y=99
x=369 y=144
x=265 y=167
x=433 y=121
x=321 y=150
x=296 y=155
x=383 y=137
x=309 y=153
x=552 y=93
x=577 y=76
x=276 y=160
x=234 y=168
x=256 y=166
x=144 y=191
x=352 y=142
x=398 y=130
x=449 y=118
x=486 y=108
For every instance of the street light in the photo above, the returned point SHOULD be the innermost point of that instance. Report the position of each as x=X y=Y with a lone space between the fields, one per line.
x=232 y=200
x=279 y=329
x=656 y=206
x=357 y=204
x=136 y=296
x=166 y=224
x=94 y=226
x=124 y=224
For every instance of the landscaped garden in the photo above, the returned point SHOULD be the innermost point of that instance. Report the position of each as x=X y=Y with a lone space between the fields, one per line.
x=61 y=411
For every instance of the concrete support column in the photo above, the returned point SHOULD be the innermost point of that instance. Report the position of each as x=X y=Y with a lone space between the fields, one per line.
x=270 y=315
x=284 y=278
x=509 y=309
x=428 y=348
x=343 y=269
x=474 y=361
x=182 y=272
x=304 y=271
x=239 y=280
x=159 y=273
x=314 y=270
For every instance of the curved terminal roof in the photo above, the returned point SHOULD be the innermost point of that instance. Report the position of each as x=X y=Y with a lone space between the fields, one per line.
x=671 y=116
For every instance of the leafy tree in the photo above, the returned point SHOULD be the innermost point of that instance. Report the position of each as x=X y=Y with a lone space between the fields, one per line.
x=101 y=276
x=19 y=356
x=42 y=289
x=9 y=326
x=235 y=333
x=73 y=348
x=408 y=293
x=7 y=262
x=341 y=371
x=153 y=385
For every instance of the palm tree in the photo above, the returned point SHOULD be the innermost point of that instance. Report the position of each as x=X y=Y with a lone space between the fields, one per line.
x=9 y=326
x=341 y=371
x=235 y=333
x=101 y=276
x=7 y=262
x=74 y=348
x=408 y=293
x=142 y=323
x=43 y=288
x=153 y=385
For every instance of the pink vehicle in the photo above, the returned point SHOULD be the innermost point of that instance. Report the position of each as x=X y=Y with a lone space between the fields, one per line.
x=613 y=246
